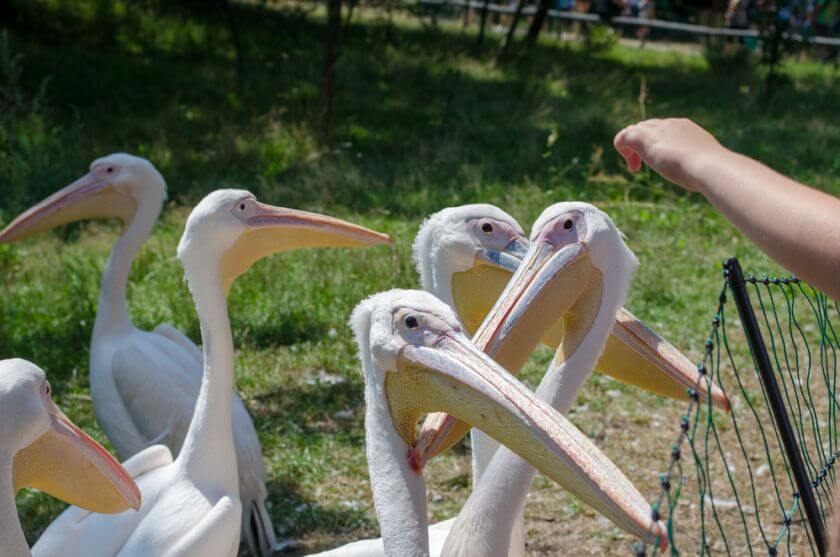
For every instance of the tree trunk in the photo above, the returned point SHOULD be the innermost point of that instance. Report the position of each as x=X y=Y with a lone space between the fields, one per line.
x=237 y=42
x=349 y=18
x=390 y=36
x=330 y=60
x=537 y=23
x=511 y=33
x=483 y=22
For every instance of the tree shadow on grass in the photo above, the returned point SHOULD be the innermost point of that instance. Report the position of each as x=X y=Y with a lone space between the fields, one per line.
x=310 y=408
x=427 y=111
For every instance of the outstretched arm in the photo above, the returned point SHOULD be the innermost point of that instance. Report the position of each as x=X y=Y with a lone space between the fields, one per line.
x=796 y=225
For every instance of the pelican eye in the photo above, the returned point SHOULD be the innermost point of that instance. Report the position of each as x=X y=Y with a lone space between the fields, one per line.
x=568 y=224
x=411 y=322
x=110 y=169
x=487 y=228
x=241 y=206
x=47 y=388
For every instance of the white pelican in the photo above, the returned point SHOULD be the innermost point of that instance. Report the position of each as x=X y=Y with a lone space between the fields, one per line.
x=191 y=505
x=466 y=255
x=582 y=240
x=42 y=448
x=416 y=359
x=144 y=384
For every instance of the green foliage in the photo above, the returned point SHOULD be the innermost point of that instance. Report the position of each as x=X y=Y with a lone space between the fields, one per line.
x=31 y=147
x=599 y=37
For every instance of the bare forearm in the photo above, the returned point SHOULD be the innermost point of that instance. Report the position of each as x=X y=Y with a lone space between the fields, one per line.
x=796 y=225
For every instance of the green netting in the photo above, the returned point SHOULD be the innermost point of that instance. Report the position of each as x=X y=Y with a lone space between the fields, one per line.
x=729 y=488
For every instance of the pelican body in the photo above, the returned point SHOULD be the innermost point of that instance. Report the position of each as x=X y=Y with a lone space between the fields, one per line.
x=42 y=448
x=144 y=384
x=191 y=505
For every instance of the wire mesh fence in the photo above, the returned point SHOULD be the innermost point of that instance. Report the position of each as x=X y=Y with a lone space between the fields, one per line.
x=735 y=484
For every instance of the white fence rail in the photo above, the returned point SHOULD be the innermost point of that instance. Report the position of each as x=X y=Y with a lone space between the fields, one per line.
x=630 y=21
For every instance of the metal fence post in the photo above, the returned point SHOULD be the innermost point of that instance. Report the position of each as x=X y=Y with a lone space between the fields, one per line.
x=735 y=277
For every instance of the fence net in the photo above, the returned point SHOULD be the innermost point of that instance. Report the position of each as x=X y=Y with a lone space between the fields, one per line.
x=729 y=488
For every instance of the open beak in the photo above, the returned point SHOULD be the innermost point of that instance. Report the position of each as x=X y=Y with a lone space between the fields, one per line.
x=66 y=463
x=275 y=229
x=455 y=377
x=89 y=197
x=548 y=279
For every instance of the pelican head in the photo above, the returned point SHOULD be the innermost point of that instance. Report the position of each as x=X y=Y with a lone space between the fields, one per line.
x=115 y=187
x=465 y=255
x=51 y=453
x=230 y=229
x=573 y=246
x=576 y=253
x=419 y=359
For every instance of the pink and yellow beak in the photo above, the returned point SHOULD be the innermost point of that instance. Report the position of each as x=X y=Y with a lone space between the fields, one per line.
x=636 y=355
x=453 y=376
x=551 y=284
x=91 y=196
x=66 y=463
x=548 y=279
x=633 y=354
x=277 y=229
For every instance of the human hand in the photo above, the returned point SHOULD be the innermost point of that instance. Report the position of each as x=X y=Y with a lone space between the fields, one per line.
x=676 y=148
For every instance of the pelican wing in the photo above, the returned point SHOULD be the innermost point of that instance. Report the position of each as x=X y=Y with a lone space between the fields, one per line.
x=214 y=533
x=158 y=393
x=69 y=534
x=374 y=547
x=147 y=460
x=158 y=380
x=168 y=331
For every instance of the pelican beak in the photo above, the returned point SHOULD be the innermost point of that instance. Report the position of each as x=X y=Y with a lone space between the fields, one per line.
x=636 y=355
x=66 y=463
x=275 y=229
x=475 y=290
x=507 y=259
x=633 y=354
x=549 y=278
x=455 y=377
x=91 y=196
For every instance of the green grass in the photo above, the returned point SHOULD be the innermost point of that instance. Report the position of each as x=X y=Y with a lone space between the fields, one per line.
x=423 y=121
